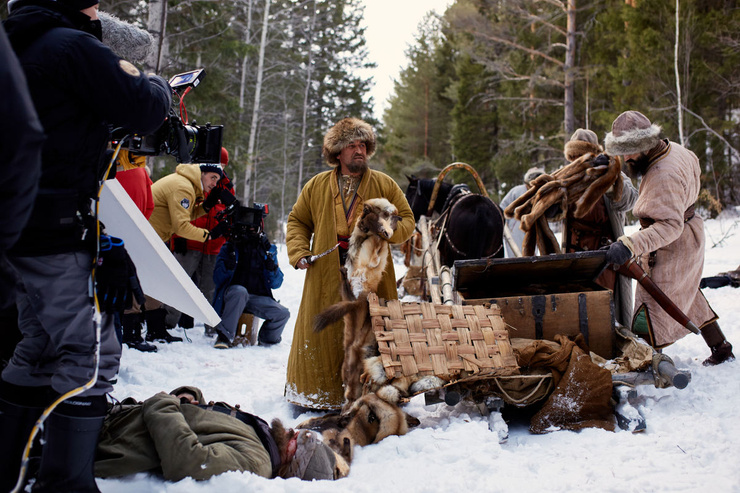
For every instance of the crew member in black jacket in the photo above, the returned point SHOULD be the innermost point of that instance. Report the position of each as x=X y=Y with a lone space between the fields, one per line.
x=80 y=89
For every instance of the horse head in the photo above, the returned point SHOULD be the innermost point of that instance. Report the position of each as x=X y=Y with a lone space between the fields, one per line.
x=419 y=194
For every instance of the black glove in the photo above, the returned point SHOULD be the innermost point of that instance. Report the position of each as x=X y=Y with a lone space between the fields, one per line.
x=212 y=199
x=617 y=253
x=218 y=231
x=265 y=242
x=116 y=282
x=180 y=245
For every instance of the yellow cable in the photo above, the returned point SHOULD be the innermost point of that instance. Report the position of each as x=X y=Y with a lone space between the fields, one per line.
x=96 y=319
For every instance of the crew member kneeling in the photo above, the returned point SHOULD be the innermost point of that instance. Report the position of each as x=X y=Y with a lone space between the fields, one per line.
x=242 y=286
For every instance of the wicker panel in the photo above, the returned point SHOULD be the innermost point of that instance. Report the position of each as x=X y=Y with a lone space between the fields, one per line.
x=461 y=342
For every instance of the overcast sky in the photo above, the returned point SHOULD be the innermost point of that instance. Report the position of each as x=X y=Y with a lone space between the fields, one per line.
x=391 y=27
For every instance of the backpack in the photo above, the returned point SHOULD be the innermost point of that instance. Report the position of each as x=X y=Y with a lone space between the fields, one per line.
x=273 y=278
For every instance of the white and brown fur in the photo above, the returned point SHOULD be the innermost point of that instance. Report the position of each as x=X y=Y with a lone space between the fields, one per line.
x=369 y=420
x=367 y=257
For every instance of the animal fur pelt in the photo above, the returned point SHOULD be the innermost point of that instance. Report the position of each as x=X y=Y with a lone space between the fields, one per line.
x=580 y=185
x=367 y=257
x=367 y=254
x=398 y=389
x=369 y=420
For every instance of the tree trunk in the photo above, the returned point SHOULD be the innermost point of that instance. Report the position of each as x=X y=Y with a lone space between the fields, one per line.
x=243 y=88
x=257 y=91
x=309 y=73
x=570 y=58
x=157 y=26
x=678 y=80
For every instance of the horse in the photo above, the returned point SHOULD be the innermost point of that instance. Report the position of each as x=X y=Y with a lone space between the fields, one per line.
x=473 y=223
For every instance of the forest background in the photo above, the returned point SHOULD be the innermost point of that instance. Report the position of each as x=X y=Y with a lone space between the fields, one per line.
x=498 y=84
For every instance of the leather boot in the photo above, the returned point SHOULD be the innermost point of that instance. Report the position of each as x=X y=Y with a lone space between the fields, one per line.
x=20 y=407
x=715 y=339
x=70 y=440
x=132 y=333
x=156 y=329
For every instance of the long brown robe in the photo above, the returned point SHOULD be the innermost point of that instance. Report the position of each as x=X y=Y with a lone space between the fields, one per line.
x=669 y=188
x=314 y=379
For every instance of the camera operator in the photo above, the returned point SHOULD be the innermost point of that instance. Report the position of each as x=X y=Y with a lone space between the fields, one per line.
x=79 y=88
x=241 y=285
x=179 y=199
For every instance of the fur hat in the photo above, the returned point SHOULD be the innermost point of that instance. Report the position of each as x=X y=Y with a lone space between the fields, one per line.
x=533 y=173
x=342 y=134
x=632 y=133
x=125 y=39
x=582 y=142
x=313 y=459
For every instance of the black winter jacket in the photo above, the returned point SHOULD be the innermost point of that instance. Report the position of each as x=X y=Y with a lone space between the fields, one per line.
x=80 y=89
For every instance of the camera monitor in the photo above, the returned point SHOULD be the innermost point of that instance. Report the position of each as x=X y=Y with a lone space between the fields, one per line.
x=186 y=79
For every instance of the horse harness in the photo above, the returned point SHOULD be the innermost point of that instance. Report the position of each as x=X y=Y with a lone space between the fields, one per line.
x=457 y=195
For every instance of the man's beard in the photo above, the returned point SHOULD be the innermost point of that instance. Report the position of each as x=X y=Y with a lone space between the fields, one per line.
x=355 y=167
x=637 y=167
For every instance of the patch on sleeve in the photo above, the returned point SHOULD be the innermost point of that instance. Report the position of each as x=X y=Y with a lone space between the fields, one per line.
x=185 y=203
x=129 y=68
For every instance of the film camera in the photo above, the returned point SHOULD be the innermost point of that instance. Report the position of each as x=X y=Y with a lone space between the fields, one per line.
x=186 y=143
x=243 y=222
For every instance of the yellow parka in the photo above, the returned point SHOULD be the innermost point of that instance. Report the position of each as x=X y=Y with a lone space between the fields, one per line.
x=314 y=365
x=178 y=200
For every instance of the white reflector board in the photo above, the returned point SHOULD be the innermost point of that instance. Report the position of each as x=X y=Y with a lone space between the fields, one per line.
x=161 y=276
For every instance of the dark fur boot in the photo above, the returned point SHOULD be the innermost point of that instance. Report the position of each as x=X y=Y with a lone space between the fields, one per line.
x=715 y=339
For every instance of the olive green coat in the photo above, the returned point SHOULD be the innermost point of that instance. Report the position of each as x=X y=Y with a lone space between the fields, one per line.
x=314 y=379
x=178 y=440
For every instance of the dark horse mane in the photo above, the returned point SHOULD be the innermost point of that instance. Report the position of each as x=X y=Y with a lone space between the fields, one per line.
x=419 y=193
x=475 y=225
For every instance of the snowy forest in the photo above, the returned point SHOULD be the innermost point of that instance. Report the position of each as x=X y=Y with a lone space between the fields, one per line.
x=497 y=84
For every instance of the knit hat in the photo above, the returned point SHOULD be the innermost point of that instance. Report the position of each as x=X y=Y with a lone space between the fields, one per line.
x=224 y=156
x=632 y=133
x=313 y=459
x=533 y=173
x=583 y=141
x=212 y=168
x=344 y=133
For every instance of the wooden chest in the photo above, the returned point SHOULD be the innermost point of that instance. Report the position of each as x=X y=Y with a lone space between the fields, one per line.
x=540 y=297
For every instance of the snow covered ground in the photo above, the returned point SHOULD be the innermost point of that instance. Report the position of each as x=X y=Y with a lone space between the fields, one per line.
x=692 y=442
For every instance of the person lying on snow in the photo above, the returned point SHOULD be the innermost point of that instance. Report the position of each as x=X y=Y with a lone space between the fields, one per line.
x=178 y=436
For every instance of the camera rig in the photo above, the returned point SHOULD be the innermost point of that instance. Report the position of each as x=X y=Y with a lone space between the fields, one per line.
x=176 y=137
x=243 y=222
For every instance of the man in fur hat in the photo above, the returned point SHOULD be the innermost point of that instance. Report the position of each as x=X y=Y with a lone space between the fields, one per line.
x=603 y=224
x=327 y=209
x=670 y=245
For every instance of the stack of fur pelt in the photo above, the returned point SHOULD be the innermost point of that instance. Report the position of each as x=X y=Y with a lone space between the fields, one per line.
x=579 y=184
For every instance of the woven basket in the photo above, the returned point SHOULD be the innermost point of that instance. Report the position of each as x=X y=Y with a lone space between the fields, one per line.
x=457 y=342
